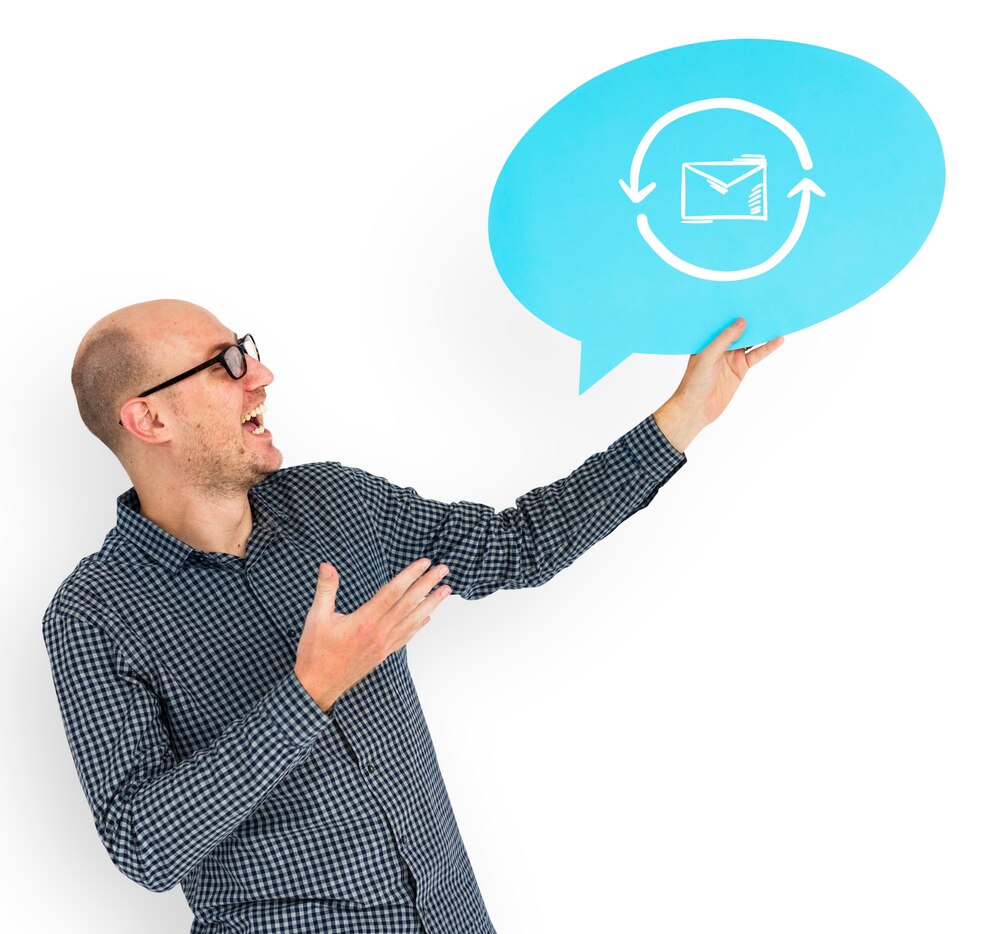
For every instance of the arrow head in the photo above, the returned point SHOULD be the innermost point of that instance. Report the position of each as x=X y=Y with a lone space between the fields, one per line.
x=634 y=195
x=807 y=184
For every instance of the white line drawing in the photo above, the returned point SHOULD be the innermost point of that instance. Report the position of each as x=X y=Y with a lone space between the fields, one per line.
x=806 y=186
x=747 y=203
x=633 y=190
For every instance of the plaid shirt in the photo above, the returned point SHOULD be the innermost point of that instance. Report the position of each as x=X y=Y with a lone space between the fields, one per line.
x=206 y=763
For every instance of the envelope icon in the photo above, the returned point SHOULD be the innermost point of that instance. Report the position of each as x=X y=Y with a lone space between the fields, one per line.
x=734 y=190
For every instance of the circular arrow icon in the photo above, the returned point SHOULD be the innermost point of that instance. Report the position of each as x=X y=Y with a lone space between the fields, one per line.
x=806 y=187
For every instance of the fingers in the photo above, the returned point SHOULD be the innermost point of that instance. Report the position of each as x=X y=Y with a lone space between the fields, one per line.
x=406 y=626
x=400 y=594
x=412 y=597
x=753 y=354
x=757 y=354
x=422 y=611
x=721 y=342
x=388 y=595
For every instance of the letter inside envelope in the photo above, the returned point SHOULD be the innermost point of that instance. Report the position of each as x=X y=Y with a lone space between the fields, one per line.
x=734 y=190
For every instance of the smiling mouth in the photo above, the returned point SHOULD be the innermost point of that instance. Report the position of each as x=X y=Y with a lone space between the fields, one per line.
x=252 y=427
x=254 y=423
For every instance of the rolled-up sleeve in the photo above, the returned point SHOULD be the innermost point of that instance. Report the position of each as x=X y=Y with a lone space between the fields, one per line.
x=546 y=530
x=157 y=816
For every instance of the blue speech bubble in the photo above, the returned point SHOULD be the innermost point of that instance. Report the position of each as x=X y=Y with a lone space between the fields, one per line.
x=659 y=201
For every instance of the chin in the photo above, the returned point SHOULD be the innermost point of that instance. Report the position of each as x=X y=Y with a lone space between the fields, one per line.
x=273 y=461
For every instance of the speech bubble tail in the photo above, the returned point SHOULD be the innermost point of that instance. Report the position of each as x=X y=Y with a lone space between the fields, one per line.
x=597 y=359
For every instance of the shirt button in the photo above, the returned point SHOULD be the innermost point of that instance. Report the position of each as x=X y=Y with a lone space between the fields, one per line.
x=371 y=767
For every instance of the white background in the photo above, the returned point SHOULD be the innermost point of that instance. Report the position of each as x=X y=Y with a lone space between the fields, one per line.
x=765 y=703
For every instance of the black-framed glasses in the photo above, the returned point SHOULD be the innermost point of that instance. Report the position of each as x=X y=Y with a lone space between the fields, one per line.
x=233 y=358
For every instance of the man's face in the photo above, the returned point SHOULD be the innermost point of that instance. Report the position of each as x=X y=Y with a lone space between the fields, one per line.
x=209 y=446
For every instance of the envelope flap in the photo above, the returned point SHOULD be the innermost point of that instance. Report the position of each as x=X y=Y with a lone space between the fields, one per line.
x=728 y=173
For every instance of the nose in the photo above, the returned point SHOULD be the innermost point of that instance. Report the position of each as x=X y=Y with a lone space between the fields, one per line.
x=256 y=373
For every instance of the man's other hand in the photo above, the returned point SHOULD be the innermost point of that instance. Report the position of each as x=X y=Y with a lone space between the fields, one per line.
x=338 y=649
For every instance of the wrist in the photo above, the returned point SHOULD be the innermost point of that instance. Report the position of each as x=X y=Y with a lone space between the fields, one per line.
x=323 y=699
x=677 y=423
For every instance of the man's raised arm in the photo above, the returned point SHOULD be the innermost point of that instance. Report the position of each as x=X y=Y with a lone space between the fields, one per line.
x=551 y=526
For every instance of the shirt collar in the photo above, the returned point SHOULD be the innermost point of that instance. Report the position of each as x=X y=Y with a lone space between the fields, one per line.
x=170 y=551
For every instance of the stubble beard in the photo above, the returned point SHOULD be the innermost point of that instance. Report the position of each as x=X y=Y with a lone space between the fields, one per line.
x=231 y=468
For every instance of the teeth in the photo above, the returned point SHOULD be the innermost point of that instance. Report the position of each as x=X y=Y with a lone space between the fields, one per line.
x=258 y=431
x=259 y=410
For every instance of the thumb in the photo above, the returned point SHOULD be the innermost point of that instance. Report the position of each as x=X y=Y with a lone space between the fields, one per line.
x=721 y=342
x=328 y=582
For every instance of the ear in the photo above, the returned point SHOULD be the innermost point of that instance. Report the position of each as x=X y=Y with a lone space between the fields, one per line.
x=140 y=418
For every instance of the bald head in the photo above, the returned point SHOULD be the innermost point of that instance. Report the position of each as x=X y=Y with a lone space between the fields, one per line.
x=125 y=353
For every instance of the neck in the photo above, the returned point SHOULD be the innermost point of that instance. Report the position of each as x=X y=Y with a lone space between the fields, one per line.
x=221 y=525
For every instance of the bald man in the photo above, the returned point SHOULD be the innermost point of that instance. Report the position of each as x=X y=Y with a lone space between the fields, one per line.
x=231 y=665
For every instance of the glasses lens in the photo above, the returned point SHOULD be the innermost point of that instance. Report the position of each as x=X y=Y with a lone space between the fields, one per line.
x=251 y=347
x=235 y=361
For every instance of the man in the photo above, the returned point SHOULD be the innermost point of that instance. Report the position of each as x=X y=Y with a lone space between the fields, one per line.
x=248 y=727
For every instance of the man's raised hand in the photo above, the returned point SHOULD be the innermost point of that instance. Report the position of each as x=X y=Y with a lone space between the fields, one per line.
x=711 y=378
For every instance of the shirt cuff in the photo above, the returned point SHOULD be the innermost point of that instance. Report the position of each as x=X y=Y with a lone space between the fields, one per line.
x=651 y=449
x=291 y=707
